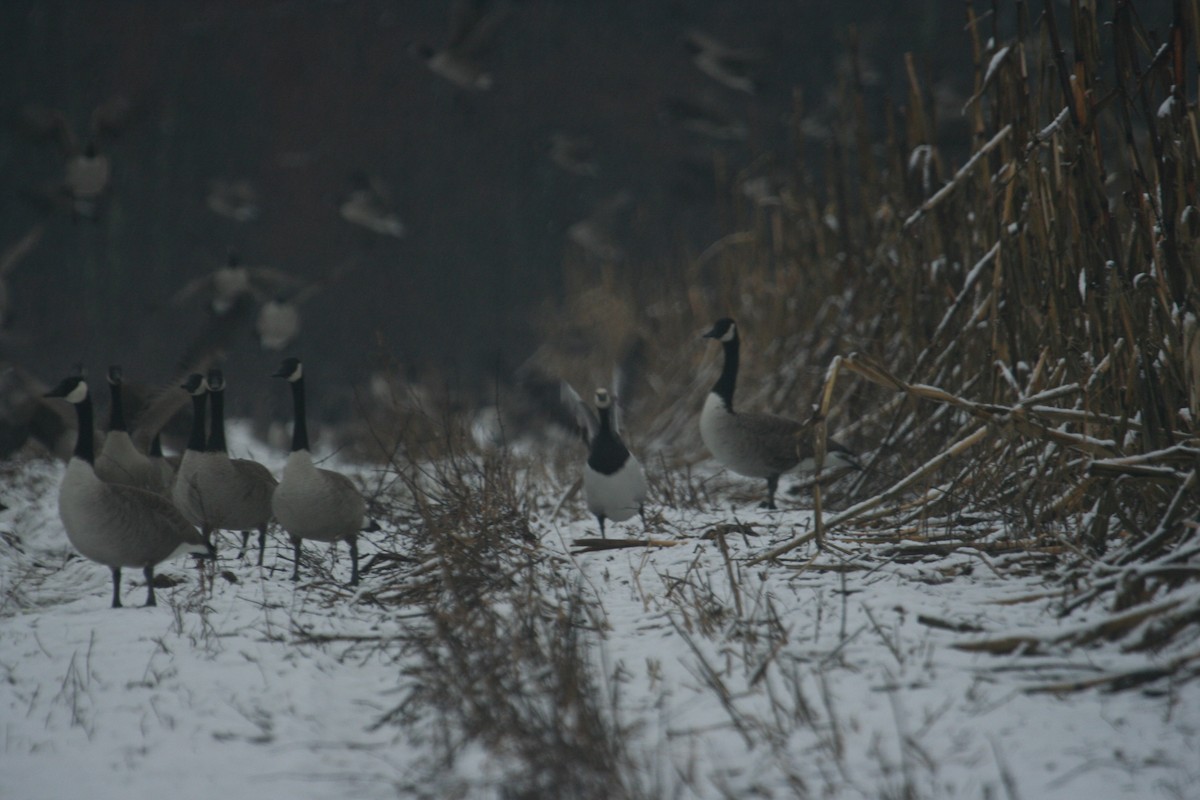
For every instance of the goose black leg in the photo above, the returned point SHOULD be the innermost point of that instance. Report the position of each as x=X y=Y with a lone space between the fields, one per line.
x=262 y=542
x=772 y=485
x=600 y=517
x=245 y=543
x=353 y=542
x=148 y=571
x=116 y=600
x=295 y=558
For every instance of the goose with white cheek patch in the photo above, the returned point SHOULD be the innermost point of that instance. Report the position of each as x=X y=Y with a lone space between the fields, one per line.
x=113 y=524
x=757 y=445
x=613 y=480
x=312 y=503
x=120 y=460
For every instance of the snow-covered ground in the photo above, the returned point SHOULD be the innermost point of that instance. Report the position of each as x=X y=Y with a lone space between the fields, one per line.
x=782 y=682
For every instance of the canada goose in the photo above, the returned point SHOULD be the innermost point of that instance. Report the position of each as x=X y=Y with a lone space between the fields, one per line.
x=756 y=445
x=312 y=503
x=471 y=27
x=240 y=489
x=704 y=120
x=167 y=466
x=722 y=63
x=86 y=170
x=187 y=492
x=572 y=154
x=86 y=178
x=369 y=205
x=232 y=281
x=112 y=524
x=120 y=461
x=27 y=416
x=613 y=480
x=594 y=234
x=234 y=199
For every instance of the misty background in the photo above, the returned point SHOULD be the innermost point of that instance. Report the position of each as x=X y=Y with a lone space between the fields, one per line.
x=297 y=98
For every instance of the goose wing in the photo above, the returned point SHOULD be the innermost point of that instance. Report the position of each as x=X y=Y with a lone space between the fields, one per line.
x=773 y=438
x=165 y=402
x=585 y=415
x=150 y=516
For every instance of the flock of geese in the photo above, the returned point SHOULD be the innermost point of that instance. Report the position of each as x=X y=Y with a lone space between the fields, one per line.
x=755 y=445
x=125 y=508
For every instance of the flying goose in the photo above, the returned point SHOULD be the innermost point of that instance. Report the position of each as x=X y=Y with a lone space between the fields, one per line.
x=227 y=284
x=278 y=322
x=471 y=28
x=312 y=503
x=12 y=256
x=613 y=480
x=722 y=63
x=572 y=154
x=112 y=524
x=241 y=489
x=120 y=461
x=369 y=205
x=757 y=445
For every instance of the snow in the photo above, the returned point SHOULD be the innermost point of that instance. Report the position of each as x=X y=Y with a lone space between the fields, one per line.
x=1167 y=108
x=994 y=64
x=834 y=683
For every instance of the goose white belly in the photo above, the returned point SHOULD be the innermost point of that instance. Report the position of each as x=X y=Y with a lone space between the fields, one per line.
x=618 y=496
x=313 y=503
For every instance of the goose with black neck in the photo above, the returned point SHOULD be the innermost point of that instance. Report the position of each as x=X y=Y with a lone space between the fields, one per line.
x=311 y=503
x=754 y=444
x=113 y=524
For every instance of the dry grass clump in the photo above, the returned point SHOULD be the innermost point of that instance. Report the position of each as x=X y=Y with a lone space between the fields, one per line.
x=503 y=643
x=1015 y=335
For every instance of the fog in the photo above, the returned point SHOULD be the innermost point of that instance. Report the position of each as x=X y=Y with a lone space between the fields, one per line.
x=291 y=103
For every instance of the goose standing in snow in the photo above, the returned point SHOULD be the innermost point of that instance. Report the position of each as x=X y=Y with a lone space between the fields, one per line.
x=613 y=480
x=729 y=66
x=757 y=445
x=120 y=460
x=240 y=489
x=113 y=524
x=188 y=491
x=312 y=503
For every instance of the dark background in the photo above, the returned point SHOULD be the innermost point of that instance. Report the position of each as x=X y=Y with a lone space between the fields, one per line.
x=297 y=96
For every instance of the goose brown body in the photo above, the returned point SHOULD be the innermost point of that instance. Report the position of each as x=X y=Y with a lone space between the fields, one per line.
x=753 y=444
x=313 y=503
x=114 y=524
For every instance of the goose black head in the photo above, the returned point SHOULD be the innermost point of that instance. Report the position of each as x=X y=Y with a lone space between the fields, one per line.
x=723 y=330
x=73 y=389
x=114 y=375
x=291 y=369
x=195 y=385
x=603 y=398
x=216 y=380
